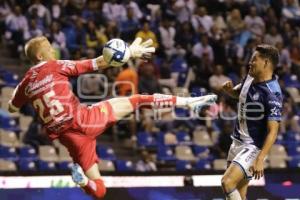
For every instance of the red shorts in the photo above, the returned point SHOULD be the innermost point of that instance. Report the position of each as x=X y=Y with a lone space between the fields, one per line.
x=80 y=138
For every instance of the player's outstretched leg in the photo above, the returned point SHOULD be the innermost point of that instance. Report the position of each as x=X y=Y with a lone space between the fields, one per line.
x=94 y=187
x=125 y=105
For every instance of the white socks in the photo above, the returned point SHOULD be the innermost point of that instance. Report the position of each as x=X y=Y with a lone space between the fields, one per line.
x=234 y=195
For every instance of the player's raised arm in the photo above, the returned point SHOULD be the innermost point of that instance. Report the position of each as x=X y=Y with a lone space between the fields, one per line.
x=228 y=88
x=137 y=49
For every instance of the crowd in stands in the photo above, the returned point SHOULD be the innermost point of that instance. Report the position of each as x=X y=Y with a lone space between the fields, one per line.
x=200 y=45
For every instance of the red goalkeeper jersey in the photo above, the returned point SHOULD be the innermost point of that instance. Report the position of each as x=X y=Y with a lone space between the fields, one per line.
x=46 y=86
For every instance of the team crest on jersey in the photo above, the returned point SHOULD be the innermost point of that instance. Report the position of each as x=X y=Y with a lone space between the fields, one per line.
x=275 y=111
x=103 y=110
x=255 y=96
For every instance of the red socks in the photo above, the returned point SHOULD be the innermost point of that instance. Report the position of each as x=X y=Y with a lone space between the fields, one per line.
x=96 y=188
x=156 y=100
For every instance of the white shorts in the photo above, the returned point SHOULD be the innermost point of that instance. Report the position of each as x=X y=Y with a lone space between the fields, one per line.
x=243 y=155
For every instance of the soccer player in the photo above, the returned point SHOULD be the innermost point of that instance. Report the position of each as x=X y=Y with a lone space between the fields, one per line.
x=259 y=113
x=75 y=125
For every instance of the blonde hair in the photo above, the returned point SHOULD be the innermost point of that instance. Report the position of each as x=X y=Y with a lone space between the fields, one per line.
x=32 y=47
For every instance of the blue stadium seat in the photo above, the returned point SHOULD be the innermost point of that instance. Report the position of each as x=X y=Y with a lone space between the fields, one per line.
x=10 y=79
x=46 y=166
x=26 y=165
x=182 y=165
x=182 y=112
x=9 y=153
x=106 y=153
x=293 y=149
x=295 y=162
x=165 y=154
x=280 y=139
x=161 y=138
x=8 y=123
x=28 y=152
x=145 y=139
x=203 y=165
x=124 y=165
x=179 y=65
x=198 y=91
x=200 y=150
x=183 y=138
x=65 y=165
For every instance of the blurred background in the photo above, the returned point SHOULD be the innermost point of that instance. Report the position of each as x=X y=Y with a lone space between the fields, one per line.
x=200 y=45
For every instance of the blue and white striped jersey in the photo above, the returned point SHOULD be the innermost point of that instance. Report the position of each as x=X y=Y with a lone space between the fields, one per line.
x=258 y=104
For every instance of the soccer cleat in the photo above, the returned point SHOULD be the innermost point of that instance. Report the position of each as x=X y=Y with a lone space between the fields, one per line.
x=196 y=103
x=78 y=175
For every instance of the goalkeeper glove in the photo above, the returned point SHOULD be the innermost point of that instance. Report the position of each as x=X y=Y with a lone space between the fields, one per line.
x=139 y=49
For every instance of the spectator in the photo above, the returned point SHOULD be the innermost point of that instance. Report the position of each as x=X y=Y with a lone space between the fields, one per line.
x=114 y=11
x=134 y=7
x=219 y=22
x=146 y=164
x=75 y=7
x=94 y=38
x=273 y=37
x=145 y=33
x=217 y=79
x=58 y=40
x=290 y=120
x=34 y=31
x=111 y=30
x=233 y=52
x=129 y=26
x=76 y=33
x=254 y=23
x=291 y=11
x=270 y=18
x=287 y=34
x=237 y=27
x=91 y=12
x=201 y=21
x=167 y=35
x=148 y=84
x=42 y=12
x=17 y=29
x=56 y=9
x=186 y=38
x=261 y=5
x=295 y=55
x=284 y=56
x=184 y=9
x=4 y=12
x=202 y=48
x=127 y=81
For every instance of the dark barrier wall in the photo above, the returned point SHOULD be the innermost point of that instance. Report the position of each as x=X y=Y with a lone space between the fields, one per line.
x=274 y=192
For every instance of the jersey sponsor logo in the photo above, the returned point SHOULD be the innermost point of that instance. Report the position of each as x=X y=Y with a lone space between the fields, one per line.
x=38 y=84
x=276 y=103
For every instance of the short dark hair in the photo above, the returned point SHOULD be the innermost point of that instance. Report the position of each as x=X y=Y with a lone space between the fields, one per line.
x=269 y=52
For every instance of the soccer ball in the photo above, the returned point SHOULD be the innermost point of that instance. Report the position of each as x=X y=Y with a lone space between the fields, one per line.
x=116 y=52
